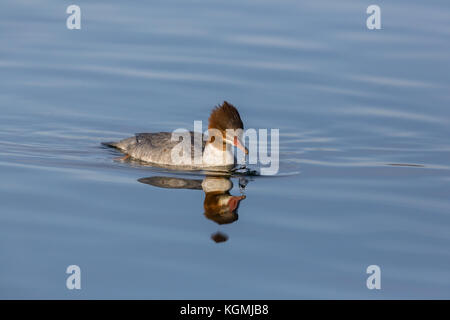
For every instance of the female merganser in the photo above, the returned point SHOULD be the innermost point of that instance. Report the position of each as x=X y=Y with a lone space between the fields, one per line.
x=217 y=151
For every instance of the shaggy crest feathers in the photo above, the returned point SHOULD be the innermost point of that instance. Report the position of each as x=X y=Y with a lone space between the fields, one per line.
x=225 y=117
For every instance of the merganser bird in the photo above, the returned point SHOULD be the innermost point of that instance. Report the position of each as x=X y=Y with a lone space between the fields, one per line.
x=217 y=151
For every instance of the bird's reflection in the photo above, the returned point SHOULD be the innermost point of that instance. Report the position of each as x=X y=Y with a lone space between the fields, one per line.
x=219 y=205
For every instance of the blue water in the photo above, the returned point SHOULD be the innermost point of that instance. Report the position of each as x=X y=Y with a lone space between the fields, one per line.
x=364 y=132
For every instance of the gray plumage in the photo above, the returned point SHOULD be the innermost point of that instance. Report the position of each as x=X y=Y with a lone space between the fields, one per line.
x=152 y=147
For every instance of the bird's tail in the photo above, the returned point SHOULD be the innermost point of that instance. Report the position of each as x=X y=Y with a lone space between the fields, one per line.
x=110 y=144
x=123 y=145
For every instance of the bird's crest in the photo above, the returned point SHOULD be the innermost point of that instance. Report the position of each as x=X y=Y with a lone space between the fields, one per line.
x=225 y=117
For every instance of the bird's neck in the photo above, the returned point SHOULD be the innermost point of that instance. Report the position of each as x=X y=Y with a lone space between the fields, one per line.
x=214 y=156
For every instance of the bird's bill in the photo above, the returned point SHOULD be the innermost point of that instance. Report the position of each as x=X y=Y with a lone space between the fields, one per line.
x=238 y=143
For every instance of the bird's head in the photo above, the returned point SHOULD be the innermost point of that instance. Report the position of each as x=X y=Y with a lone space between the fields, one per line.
x=226 y=119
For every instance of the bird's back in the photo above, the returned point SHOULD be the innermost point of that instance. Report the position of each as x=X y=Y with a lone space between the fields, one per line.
x=152 y=147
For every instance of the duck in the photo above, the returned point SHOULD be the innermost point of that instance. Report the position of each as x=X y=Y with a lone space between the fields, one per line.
x=217 y=147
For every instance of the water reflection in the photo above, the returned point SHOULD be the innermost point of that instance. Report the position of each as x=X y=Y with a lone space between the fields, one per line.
x=219 y=205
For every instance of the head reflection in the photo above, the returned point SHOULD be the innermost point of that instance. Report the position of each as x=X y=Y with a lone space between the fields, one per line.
x=219 y=205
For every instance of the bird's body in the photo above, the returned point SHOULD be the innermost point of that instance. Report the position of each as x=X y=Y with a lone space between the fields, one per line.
x=156 y=148
x=163 y=148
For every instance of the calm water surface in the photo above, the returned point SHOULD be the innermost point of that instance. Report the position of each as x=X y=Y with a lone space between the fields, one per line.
x=364 y=122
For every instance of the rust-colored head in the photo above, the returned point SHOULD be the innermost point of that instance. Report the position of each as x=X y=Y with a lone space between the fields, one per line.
x=226 y=117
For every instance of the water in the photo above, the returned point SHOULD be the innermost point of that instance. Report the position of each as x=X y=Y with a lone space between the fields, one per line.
x=364 y=124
